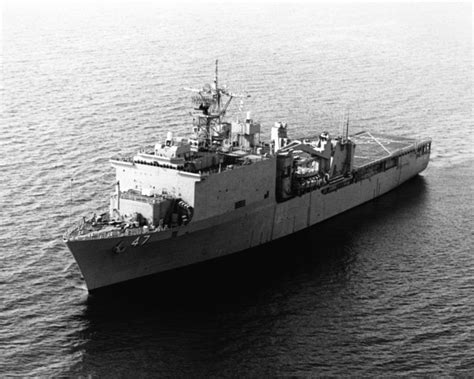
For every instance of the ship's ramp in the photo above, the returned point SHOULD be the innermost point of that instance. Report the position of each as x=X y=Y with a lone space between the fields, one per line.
x=371 y=147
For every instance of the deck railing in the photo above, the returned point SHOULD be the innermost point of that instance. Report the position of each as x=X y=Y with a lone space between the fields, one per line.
x=102 y=234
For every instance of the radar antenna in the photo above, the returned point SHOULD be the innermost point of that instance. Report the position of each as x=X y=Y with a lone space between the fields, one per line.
x=209 y=102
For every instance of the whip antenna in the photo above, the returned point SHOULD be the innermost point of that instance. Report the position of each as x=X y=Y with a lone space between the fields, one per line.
x=70 y=205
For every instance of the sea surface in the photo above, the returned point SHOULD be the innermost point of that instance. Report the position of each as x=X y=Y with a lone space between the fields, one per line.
x=385 y=289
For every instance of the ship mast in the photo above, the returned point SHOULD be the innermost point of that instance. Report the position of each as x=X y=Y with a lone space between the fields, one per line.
x=217 y=89
x=347 y=125
x=209 y=101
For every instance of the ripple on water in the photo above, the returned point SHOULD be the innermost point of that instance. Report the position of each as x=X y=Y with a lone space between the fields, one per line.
x=384 y=288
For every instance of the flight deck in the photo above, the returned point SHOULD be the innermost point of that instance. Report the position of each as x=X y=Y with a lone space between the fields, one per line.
x=371 y=147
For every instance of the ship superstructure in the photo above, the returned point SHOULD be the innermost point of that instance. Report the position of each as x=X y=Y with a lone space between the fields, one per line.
x=222 y=189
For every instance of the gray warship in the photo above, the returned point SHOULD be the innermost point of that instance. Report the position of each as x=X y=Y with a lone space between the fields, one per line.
x=222 y=190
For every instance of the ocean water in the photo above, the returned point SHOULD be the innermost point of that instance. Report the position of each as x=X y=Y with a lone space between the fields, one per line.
x=384 y=289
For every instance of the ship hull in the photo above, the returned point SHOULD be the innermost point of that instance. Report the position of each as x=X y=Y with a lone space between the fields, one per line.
x=107 y=261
